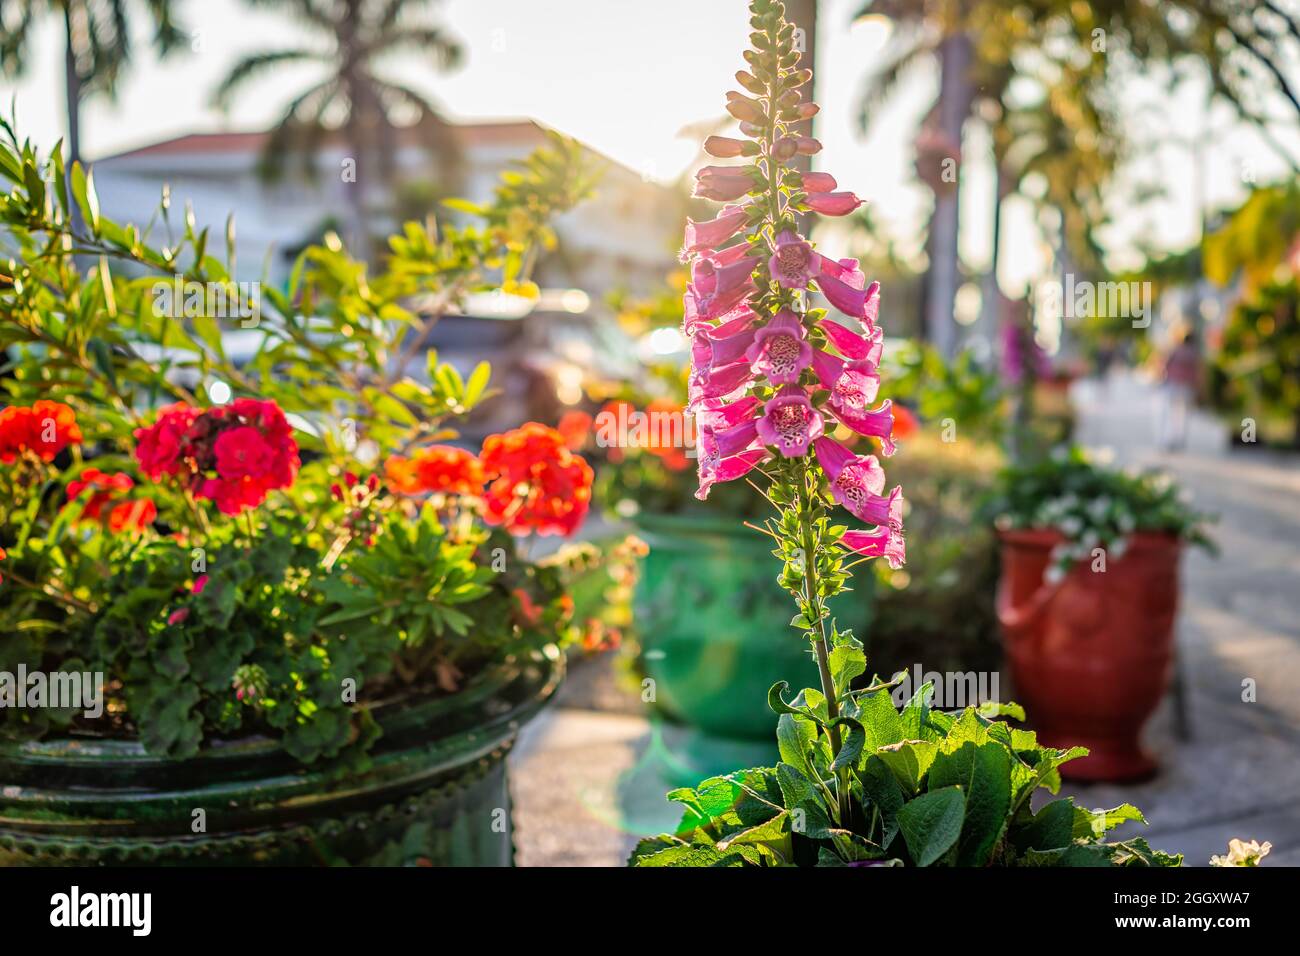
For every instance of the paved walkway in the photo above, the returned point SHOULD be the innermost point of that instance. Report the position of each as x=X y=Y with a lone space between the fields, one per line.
x=588 y=782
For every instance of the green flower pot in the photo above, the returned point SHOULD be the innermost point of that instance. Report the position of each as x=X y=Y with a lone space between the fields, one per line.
x=434 y=792
x=714 y=625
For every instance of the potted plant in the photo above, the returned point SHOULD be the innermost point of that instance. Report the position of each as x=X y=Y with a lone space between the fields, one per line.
x=858 y=782
x=262 y=611
x=1087 y=601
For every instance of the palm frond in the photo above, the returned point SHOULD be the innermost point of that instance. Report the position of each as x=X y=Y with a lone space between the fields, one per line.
x=253 y=65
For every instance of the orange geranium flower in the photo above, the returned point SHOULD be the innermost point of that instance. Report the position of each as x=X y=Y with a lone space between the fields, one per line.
x=905 y=423
x=44 y=429
x=443 y=469
x=575 y=426
x=535 y=482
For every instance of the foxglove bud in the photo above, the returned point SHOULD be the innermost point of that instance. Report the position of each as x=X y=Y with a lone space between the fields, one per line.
x=724 y=147
x=749 y=82
x=745 y=109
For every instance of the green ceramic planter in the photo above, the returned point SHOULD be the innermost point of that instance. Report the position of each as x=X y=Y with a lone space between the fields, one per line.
x=434 y=794
x=714 y=625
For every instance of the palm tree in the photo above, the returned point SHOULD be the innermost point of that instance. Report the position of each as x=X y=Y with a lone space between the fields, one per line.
x=990 y=50
x=351 y=96
x=97 y=46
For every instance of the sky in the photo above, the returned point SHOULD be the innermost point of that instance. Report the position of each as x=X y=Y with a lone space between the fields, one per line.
x=627 y=77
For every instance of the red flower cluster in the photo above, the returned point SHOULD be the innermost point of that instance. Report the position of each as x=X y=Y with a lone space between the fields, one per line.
x=44 y=429
x=131 y=515
x=233 y=455
x=442 y=469
x=535 y=482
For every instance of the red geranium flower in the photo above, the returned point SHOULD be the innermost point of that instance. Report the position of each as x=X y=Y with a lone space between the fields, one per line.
x=536 y=482
x=233 y=455
x=132 y=516
x=242 y=453
x=104 y=487
x=161 y=448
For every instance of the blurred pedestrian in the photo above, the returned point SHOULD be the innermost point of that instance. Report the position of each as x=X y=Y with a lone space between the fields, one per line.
x=1182 y=381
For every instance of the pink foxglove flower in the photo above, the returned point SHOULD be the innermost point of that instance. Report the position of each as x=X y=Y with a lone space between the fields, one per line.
x=704 y=236
x=719 y=289
x=832 y=204
x=780 y=350
x=807 y=146
x=718 y=415
x=853 y=385
x=794 y=264
x=862 y=304
x=884 y=543
x=790 y=422
x=860 y=472
x=846 y=270
x=712 y=468
x=875 y=423
x=856 y=482
x=853 y=345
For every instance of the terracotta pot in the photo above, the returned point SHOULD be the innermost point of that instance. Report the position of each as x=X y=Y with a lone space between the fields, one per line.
x=1091 y=655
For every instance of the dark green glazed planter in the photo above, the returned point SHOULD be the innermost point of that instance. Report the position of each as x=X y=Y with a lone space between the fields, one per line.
x=714 y=625
x=435 y=793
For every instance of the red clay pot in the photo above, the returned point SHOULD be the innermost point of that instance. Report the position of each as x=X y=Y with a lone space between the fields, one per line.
x=1092 y=655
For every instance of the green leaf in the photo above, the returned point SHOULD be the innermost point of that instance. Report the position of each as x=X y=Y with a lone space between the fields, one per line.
x=932 y=823
x=774 y=700
x=1094 y=824
x=83 y=191
x=1051 y=827
x=883 y=790
x=879 y=719
x=909 y=760
x=846 y=663
x=983 y=772
x=850 y=746
x=476 y=384
x=795 y=736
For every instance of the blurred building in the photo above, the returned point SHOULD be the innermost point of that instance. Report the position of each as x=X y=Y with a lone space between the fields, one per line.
x=621 y=238
x=545 y=353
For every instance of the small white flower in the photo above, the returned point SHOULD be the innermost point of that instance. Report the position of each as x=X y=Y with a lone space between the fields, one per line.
x=1241 y=853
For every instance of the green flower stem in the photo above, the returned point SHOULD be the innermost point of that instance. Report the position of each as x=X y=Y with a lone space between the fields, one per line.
x=808 y=482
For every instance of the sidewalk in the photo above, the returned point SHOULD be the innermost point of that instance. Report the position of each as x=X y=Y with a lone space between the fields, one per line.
x=1239 y=774
x=587 y=784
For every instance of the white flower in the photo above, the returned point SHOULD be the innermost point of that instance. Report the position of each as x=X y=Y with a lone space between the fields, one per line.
x=1241 y=853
